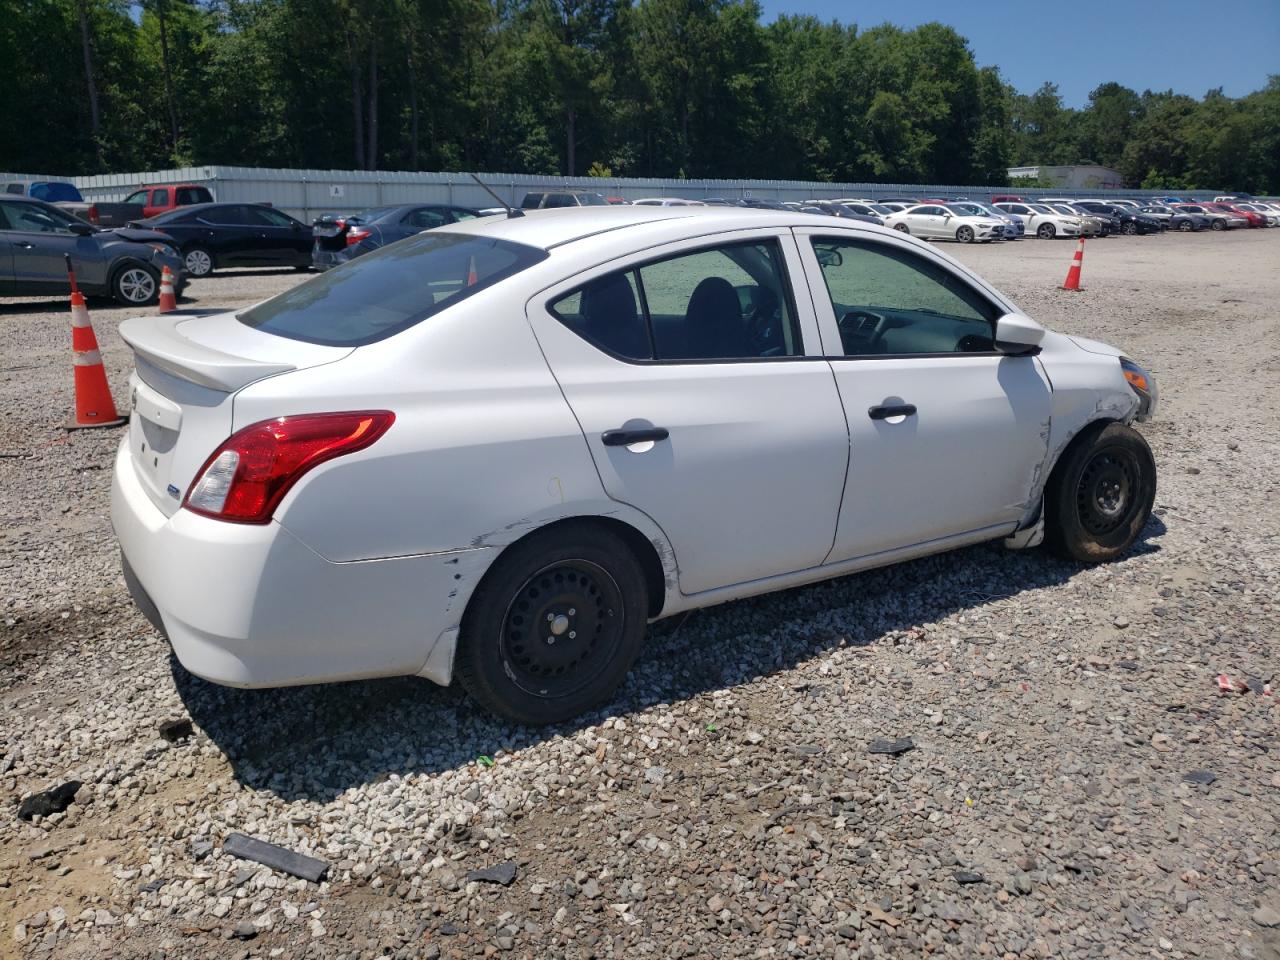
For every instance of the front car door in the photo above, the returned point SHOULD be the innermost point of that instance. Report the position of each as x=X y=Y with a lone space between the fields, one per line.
x=280 y=238
x=231 y=234
x=699 y=383
x=38 y=238
x=947 y=436
x=927 y=222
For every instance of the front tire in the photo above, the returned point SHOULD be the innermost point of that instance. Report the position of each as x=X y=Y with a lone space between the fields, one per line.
x=1129 y=229
x=1100 y=494
x=1046 y=231
x=135 y=285
x=554 y=626
x=965 y=234
x=901 y=228
x=1219 y=225
x=1186 y=226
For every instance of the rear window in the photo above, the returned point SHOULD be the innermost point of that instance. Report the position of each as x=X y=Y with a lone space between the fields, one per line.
x=382 y=293
x=55 y=193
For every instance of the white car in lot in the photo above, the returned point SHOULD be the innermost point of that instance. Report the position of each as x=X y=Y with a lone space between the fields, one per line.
x=498 y=449
x=1042 y=220
x=937 y=221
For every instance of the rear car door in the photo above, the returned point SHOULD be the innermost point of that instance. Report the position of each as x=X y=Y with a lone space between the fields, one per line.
x=947 y=435
x=158 y=202
x=699 y=383
x=230 y=232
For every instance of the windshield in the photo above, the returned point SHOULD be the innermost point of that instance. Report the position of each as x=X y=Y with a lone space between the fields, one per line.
x=382 y=293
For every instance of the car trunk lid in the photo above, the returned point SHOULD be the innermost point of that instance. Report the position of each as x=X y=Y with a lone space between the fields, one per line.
x=187 y=372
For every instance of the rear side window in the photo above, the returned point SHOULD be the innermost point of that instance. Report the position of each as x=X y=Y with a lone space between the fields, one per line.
x=723 y=303
x=190 y=195
x=531 y=201
x=382 y=293
x=160 y=198
x=425 y=218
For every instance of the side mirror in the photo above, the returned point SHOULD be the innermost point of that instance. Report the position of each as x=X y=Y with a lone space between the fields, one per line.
x=82 y=229
x=1018 y=335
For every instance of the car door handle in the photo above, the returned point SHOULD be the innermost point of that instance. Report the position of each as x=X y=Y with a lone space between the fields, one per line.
x=893 y=410
x=24 y=245
x=622 y=438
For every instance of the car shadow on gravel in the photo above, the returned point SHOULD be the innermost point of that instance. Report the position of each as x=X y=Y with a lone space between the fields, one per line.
x=314 y=743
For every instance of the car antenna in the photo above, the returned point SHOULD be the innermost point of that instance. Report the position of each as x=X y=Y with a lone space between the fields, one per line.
x=511 y=211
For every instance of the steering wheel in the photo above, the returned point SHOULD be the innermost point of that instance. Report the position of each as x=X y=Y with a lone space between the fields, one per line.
x=763 y=320
x=862 y=330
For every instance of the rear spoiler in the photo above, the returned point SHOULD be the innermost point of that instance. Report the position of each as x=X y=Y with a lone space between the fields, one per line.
x=157 y=340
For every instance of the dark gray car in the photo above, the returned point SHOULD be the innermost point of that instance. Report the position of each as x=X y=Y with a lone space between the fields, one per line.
x=123 y=263
x=338 y=239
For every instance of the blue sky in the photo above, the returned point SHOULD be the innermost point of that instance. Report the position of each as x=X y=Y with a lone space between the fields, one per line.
x=1189 y=46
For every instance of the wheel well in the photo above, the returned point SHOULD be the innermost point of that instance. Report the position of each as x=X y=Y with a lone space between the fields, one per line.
x=1093 y=426
x=641 y=548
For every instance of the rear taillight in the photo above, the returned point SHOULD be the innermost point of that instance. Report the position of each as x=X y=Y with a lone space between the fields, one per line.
x=355 y=235
x=246 y=478
x=93 y=213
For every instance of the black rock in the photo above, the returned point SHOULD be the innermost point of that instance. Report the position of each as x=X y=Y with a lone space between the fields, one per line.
x=49 y=801
x=1127 y=664
x=151 y=886
x=175 y=730
x=892 y=747
x=1201 y=777
x=245 y=930
x=503 y=873
x=968 y=876
x=449 y=930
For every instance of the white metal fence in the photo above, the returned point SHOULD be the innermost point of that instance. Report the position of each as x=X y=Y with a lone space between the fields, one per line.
x=309 y=193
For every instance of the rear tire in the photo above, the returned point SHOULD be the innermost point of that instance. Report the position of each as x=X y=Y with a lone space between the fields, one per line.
x=197 y=261
x=135 y=285
x=1100 y=494
x=554 y=626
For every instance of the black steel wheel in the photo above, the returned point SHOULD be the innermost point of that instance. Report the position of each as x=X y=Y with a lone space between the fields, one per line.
x=560 y=626
x=555 y=624
x=1100 y=494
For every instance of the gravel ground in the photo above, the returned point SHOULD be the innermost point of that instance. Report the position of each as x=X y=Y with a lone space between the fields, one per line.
x=727 y=804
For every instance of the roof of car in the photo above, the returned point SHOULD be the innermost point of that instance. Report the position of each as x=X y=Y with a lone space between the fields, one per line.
x=546 y=229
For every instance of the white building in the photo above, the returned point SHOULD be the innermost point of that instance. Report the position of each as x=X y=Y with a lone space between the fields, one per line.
x=1076 y=177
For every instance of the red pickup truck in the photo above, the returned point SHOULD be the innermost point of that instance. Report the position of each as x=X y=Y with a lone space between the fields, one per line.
x=156 y=200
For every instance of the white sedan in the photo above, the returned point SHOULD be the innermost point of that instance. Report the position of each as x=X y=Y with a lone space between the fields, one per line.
x=935 y=221
x=496 y=450
x=1042 y=220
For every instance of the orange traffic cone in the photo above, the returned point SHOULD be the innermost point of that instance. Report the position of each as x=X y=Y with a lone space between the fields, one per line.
x=94 y=406
x=472 y=277
x=1077 y=262
x=168 y=301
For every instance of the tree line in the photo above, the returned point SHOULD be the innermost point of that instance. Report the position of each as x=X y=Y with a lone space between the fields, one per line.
x=672 y=88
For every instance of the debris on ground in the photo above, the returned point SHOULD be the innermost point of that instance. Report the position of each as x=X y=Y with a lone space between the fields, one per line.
x=175 y=730
x=892 y=747
x=501 y=873
x=274 y=856
x=48 y=802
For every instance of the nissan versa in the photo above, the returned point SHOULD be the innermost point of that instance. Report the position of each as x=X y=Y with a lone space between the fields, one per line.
x=498 y=449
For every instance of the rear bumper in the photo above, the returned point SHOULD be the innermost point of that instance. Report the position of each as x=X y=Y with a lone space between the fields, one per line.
x=328 y=259
x=252 y=606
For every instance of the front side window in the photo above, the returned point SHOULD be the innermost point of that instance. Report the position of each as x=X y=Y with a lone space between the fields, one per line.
x=230 y=215
x=138 y=196
x=387 y=291
x=893 y=302
x=160 y=198
x=37 y=218
x=724 y=303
